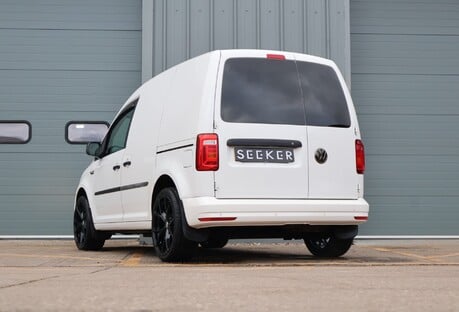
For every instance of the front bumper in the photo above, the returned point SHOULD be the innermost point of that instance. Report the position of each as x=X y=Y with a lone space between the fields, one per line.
x=207 y=212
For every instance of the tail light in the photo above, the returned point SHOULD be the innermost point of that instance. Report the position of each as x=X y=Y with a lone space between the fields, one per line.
x=207 y=152
x=359 y=157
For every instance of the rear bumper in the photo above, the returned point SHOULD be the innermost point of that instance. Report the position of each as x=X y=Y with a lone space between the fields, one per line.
x=204 y=212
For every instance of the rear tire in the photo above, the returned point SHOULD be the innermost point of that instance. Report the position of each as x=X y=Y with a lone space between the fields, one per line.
x=214 y=242
x=170 y=243
x=85 y=235
x=328 y=246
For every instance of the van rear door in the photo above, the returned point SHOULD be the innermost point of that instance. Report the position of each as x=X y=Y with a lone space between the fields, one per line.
x=331 y=129
x=260 y=121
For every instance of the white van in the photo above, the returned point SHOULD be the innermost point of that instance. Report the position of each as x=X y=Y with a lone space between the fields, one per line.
x=230 y=144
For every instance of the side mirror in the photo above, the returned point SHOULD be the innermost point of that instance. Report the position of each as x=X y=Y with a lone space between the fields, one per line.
x=93 y=149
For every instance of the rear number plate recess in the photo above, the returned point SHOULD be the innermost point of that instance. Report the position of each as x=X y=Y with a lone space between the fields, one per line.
x=264 y=154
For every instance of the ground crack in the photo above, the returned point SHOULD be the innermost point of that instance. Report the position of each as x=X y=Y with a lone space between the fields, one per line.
x=29 y=282
x=100 y=270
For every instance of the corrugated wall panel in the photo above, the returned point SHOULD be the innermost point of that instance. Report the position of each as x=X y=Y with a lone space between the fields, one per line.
x=187 y=28
x=200 y=27
x=405 y=77
x=294 y=25
x=70 y=14
x=39 y=49
x=59 y=61
x=223 y=24
x=247 y=24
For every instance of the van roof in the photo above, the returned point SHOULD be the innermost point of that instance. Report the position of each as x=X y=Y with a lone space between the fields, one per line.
x=228 y=53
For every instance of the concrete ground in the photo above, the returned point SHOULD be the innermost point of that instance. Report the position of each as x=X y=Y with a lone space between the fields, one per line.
x=415 y=275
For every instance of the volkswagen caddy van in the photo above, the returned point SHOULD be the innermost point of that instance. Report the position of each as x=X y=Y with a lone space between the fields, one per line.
x=229 y=144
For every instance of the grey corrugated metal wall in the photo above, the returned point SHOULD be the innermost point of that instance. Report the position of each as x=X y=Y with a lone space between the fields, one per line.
x=187 y=28
x=60 y=60
x=405 y=83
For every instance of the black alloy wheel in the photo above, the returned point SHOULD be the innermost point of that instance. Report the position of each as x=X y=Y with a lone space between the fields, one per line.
x=84 y=233
x=168 y=239
x=328 y=246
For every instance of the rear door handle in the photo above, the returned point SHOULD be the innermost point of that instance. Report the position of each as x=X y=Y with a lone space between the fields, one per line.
x=127 y=163
x=117 y=167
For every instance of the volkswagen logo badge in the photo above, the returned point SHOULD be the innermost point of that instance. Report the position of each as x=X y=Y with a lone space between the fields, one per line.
x=321 y=155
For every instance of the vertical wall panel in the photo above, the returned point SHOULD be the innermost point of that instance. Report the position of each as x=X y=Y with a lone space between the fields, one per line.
x=247 y=24
x=317 y=36
x=186 y=28
x=177 y=39
x=159 y=37
x=338 y=43
x=223 y=24
x=270 y=25
x=294 y=35
x=200 y=28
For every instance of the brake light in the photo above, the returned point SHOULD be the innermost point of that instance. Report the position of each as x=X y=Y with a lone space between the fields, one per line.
x=279 y=57
x=359 y=156
x=207 y=152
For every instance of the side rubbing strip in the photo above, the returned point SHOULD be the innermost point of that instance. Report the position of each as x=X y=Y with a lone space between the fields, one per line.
x=122 y=188
x=264 y=143
x=174 y=148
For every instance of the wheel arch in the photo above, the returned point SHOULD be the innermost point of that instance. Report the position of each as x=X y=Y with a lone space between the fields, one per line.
x=165 y=181
x=81 y=192
x=162 y=182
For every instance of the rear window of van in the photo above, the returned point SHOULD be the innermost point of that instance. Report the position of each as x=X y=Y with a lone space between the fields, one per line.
x=257 y=90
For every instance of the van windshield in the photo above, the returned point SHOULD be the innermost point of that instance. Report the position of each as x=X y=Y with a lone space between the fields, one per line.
x=257 y=90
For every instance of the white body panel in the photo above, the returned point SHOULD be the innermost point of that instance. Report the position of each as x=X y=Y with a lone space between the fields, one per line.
x=259 y=212
x=337 y=177
x=106 y=207
x=177 y=105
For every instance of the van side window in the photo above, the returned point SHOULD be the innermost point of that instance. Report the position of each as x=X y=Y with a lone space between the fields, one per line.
x=117 y=137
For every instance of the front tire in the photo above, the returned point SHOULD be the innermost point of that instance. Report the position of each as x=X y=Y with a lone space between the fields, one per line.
x=170 y=243
x=328 y=246
x=85 y=235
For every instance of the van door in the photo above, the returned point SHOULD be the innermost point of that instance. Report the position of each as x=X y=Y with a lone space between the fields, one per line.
x=106 y=171
x=260 y=122
x=331 y=132
x=106 y=179
x=139 y=160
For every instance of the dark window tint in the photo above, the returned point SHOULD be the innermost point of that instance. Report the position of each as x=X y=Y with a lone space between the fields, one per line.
x=118 y=135
x=268 y=91
x=116 y=138
x=259 y=90
x=82 y=132
x=15 y=132
x=323 y=95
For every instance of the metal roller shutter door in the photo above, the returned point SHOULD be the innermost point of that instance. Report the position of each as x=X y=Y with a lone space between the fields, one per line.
x=405 y=83
x=59 y=61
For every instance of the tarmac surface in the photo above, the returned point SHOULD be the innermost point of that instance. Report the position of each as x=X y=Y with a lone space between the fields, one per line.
x=52 y=275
